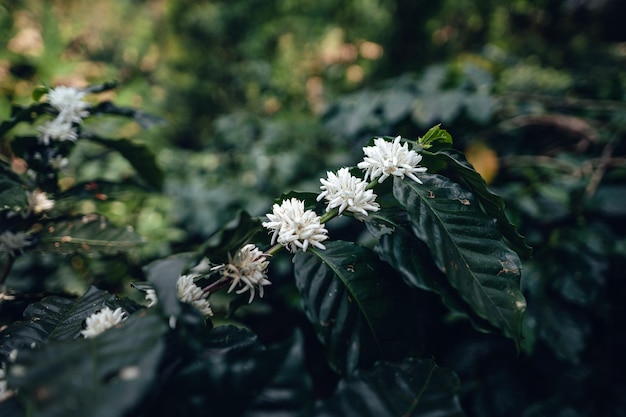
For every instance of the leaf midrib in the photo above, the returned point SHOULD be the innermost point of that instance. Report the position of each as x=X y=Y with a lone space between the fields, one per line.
x=331 y=265
x=458 y=250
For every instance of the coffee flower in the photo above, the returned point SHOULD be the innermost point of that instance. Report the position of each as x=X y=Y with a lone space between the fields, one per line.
x=12 y=242
x=247 y=269
x=103 y=320
x=38 y=202
x=68 y=101
x=295 y=228
x=151 y=297
x=190 y=293
x=57 y=129
x=390 y=158
x=348 y=193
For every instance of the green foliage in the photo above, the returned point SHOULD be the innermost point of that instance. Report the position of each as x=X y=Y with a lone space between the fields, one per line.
x=359 y=314
x=532 y=93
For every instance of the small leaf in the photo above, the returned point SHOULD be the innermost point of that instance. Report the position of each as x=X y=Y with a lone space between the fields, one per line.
x=468 y=248
x=108 y=375
x=87 y=234
x=361 y=311
x=436 y=137
x=410 y=388
x=138 y=155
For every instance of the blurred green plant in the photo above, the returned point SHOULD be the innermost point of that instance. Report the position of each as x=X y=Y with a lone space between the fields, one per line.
x=434 y=229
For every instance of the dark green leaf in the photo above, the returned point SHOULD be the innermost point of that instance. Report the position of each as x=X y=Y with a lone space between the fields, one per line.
x=57 y=318
x=231 y=237
x=468 y=248
x=413 y=260
x=12 y=194
x=144 y=120
x=139 y=156
x=410 y=388
x=361 y=311
x=105 y=376
x=462 y=172
x=87 y=234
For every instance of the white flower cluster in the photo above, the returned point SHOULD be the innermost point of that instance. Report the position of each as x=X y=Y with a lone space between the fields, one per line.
x=12 y=242
x=72 y=109
x=390 y=158
x=247 y=269
x=103 y=320
x=347 y=192
x=188 y=292
x=294 y=227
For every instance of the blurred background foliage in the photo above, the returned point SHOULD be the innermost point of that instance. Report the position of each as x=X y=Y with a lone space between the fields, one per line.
x=262 y=97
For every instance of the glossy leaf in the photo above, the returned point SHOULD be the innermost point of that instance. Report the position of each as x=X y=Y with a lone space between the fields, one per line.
x=413 y=260
x=493 y=205
x=138 y=155
x=12 y=194
x=87 y=234
x=58 y=318
x=468 y=248
x=410 y=388
x=360 y=309
x=105 y=376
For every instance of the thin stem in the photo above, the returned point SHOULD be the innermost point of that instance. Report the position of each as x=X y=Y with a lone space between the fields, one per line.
x=329 y=215
x=274 y=249
x=216 y=286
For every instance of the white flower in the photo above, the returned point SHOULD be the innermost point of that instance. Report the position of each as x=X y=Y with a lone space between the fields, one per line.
x=68 y=101
x=57 y=162
x=38 y=202
x=190 y=293
x=390 y=158
x=103 y=320
x=151 y=297
x=248 y=268
x=57 y=129
x=11 y=242
x=294 y=227
x=347 y=192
